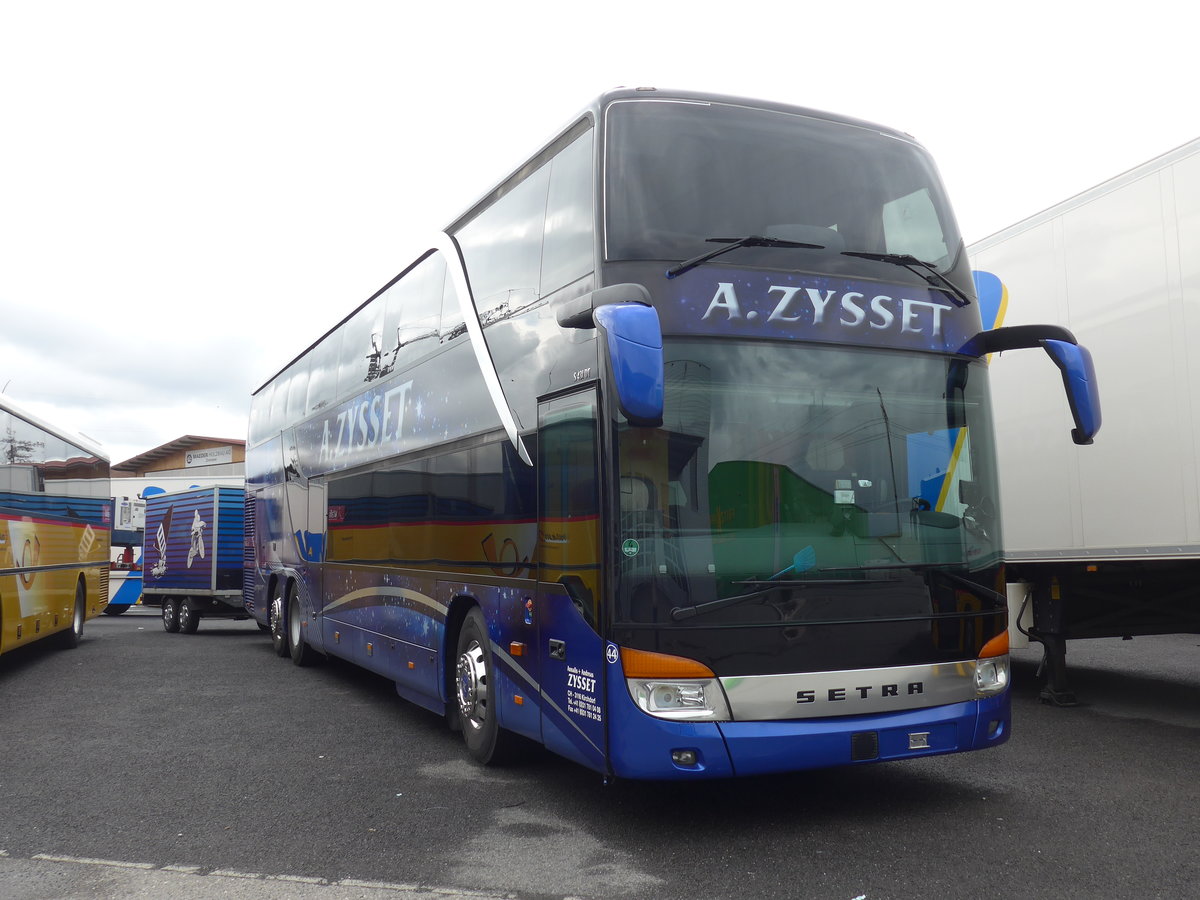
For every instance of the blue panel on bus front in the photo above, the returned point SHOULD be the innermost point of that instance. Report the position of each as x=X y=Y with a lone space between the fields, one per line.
x=642 y=744
x=763 y=748
x=800 y=306
x=574 y=702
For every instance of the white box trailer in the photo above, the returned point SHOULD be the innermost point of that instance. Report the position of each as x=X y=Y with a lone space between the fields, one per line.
x=1104 y=541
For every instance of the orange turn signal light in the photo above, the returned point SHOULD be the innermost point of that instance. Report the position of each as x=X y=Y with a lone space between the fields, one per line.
x=997 y=646
x=644 y=664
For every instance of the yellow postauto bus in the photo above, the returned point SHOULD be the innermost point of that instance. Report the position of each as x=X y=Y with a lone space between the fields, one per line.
x=55 y=527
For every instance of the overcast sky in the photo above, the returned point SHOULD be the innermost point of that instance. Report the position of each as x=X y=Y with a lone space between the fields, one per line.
x=191 y=193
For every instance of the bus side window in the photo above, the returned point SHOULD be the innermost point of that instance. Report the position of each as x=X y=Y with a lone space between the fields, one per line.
x=502 y=248
x=567 y=252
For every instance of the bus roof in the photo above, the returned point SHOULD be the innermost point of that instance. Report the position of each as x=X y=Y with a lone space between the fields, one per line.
x=7 y=404
x=590 y=112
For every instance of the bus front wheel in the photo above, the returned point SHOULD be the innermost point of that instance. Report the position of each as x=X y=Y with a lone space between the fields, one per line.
x=477 y=694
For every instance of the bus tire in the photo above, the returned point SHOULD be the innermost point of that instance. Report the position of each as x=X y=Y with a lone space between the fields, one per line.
x=276 y=621
x=115 y=609
x=189 y=619
x=170 y=615
x=70 y=638
x=302 y=654
x=476 y=694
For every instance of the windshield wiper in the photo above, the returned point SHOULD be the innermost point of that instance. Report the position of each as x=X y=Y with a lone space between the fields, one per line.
x=686 y=612
x=679 y=613
x=919 y=267
x=752 y=240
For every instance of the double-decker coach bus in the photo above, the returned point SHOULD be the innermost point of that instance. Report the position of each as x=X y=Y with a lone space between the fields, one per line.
x=672 y=454
x=55 y=523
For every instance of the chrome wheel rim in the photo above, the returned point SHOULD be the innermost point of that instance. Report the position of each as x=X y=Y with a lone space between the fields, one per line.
x=472 y=685
x=277 y=618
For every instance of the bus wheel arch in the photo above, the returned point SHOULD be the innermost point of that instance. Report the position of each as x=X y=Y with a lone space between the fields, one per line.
x=456 y=613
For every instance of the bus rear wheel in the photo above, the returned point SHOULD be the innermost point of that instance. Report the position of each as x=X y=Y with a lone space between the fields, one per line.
x=302 y=654
x=476 y=691
x=277 y=622
x=170 y=615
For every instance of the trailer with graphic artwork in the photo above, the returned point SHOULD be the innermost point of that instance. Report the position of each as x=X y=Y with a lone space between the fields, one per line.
x=1103 y=543
x=192 y=557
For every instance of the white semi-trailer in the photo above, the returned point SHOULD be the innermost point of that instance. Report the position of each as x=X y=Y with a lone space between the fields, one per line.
x=1104 y=541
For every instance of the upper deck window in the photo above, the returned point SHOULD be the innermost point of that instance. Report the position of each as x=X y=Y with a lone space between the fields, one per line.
x=680 y=173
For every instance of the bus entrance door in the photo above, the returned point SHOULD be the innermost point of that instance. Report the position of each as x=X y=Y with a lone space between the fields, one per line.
x=569 y=590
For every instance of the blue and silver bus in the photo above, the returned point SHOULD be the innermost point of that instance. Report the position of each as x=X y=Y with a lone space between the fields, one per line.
x=672 y=454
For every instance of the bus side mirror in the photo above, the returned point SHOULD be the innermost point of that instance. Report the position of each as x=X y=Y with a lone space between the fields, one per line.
x=580 y=312
x=1074 y=361
x=1079 y=379
x=632 y=336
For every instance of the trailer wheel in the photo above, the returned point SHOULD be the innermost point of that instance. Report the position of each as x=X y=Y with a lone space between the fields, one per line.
x=189 y=619
x=302 y=654
x=477 y=695
x=170 y=614
x=276 y=621
x=70 y=638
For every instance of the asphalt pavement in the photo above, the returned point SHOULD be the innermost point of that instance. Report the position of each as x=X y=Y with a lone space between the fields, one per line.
x=143 y=764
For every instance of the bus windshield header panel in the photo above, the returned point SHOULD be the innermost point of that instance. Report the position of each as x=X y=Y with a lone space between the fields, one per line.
x=681 y=178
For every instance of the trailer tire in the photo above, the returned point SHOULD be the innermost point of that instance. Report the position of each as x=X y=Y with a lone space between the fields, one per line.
x=276 y=621
x=477 y=695
x=170 y=615
x=189 y=619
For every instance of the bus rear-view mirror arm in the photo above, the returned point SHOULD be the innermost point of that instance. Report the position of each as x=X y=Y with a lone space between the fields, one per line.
x=1073 y=361
x=632 y=336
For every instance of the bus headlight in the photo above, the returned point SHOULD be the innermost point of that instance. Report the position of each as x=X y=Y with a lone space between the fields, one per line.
x=991 y=675
x=685 y=700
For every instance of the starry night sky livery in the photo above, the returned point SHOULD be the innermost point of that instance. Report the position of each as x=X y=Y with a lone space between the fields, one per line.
x=683 y=302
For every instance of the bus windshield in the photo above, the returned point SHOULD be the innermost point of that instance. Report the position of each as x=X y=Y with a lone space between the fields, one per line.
x=774 y=467
x=681 y=173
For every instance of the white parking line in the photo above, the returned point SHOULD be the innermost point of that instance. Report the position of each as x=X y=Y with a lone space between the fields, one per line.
x=423 y=891
x=116 y=864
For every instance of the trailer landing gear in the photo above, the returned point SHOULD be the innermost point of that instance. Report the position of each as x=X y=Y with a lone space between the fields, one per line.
x=1054 y=668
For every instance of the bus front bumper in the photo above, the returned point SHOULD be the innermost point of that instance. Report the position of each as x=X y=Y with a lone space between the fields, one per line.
x=660 y=749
